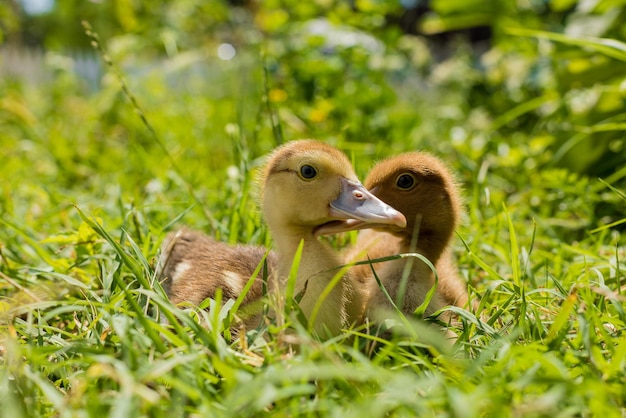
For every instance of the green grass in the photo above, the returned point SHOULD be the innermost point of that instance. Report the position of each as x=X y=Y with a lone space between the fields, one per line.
x=89 y=191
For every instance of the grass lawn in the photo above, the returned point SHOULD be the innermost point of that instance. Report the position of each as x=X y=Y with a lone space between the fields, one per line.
x=92 y=181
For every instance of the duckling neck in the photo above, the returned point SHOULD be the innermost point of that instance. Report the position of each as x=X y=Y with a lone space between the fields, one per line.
x=316 y=270
x=316 y=259
x=431 y=244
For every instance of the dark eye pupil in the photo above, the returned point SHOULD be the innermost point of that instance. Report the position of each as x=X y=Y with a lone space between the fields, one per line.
x=405 y=181
x=308 y=172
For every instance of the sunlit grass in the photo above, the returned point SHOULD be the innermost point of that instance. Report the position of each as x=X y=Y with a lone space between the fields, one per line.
x=81 y=332
x=86 y=330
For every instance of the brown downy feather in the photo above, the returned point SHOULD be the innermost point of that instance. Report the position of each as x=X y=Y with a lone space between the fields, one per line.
x=193 y=266
x=308 y=188
x=421 y=187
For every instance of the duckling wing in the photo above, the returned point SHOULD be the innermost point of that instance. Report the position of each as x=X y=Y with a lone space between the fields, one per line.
x=195 y=266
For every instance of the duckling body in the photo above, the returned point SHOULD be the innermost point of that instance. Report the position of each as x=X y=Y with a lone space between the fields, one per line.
x=421 y=187
x=308 y=189
x=194 y=266
x=308 y=186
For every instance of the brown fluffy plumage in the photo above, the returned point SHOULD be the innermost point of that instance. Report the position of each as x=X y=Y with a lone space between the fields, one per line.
x=195 y=266
x=421 y=187
x=308 y=189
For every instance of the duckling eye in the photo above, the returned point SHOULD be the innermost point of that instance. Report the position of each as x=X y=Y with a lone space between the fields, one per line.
x=405 y=181
x=308 y=172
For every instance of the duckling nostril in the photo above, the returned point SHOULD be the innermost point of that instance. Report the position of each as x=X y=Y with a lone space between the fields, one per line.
x=358 y=195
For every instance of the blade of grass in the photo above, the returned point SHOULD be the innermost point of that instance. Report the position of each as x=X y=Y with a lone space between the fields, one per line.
x=522 y=109
x=482 y=264
x=41 y=252
x=271 y=110
x=128 y=261
x=322 y=297
x=515 y=259
x=609 y=47
x=141 y=317
x=562 y=319
x=419 y=311
x=249 y=283
x=48 y=390
x=178 y=217
x=290 y=286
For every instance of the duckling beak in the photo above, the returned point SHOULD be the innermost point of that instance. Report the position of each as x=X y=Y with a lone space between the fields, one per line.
x=357 y=208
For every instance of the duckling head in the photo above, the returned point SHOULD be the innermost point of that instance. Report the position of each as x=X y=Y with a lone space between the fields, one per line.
x=421 y=187
x=310 y=187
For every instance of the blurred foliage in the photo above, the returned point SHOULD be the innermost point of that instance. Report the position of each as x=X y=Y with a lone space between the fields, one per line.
x=350 y=68
x=524 y=98
x=545 y=89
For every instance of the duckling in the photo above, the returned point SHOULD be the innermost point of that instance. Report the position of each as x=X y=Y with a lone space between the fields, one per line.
x=421 y=187
x=308 y=190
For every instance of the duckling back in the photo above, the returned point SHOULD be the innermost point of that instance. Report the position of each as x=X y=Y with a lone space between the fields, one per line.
x=193 y=266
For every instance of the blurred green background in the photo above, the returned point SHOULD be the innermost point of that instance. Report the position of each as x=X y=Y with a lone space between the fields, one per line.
x=525 y=96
